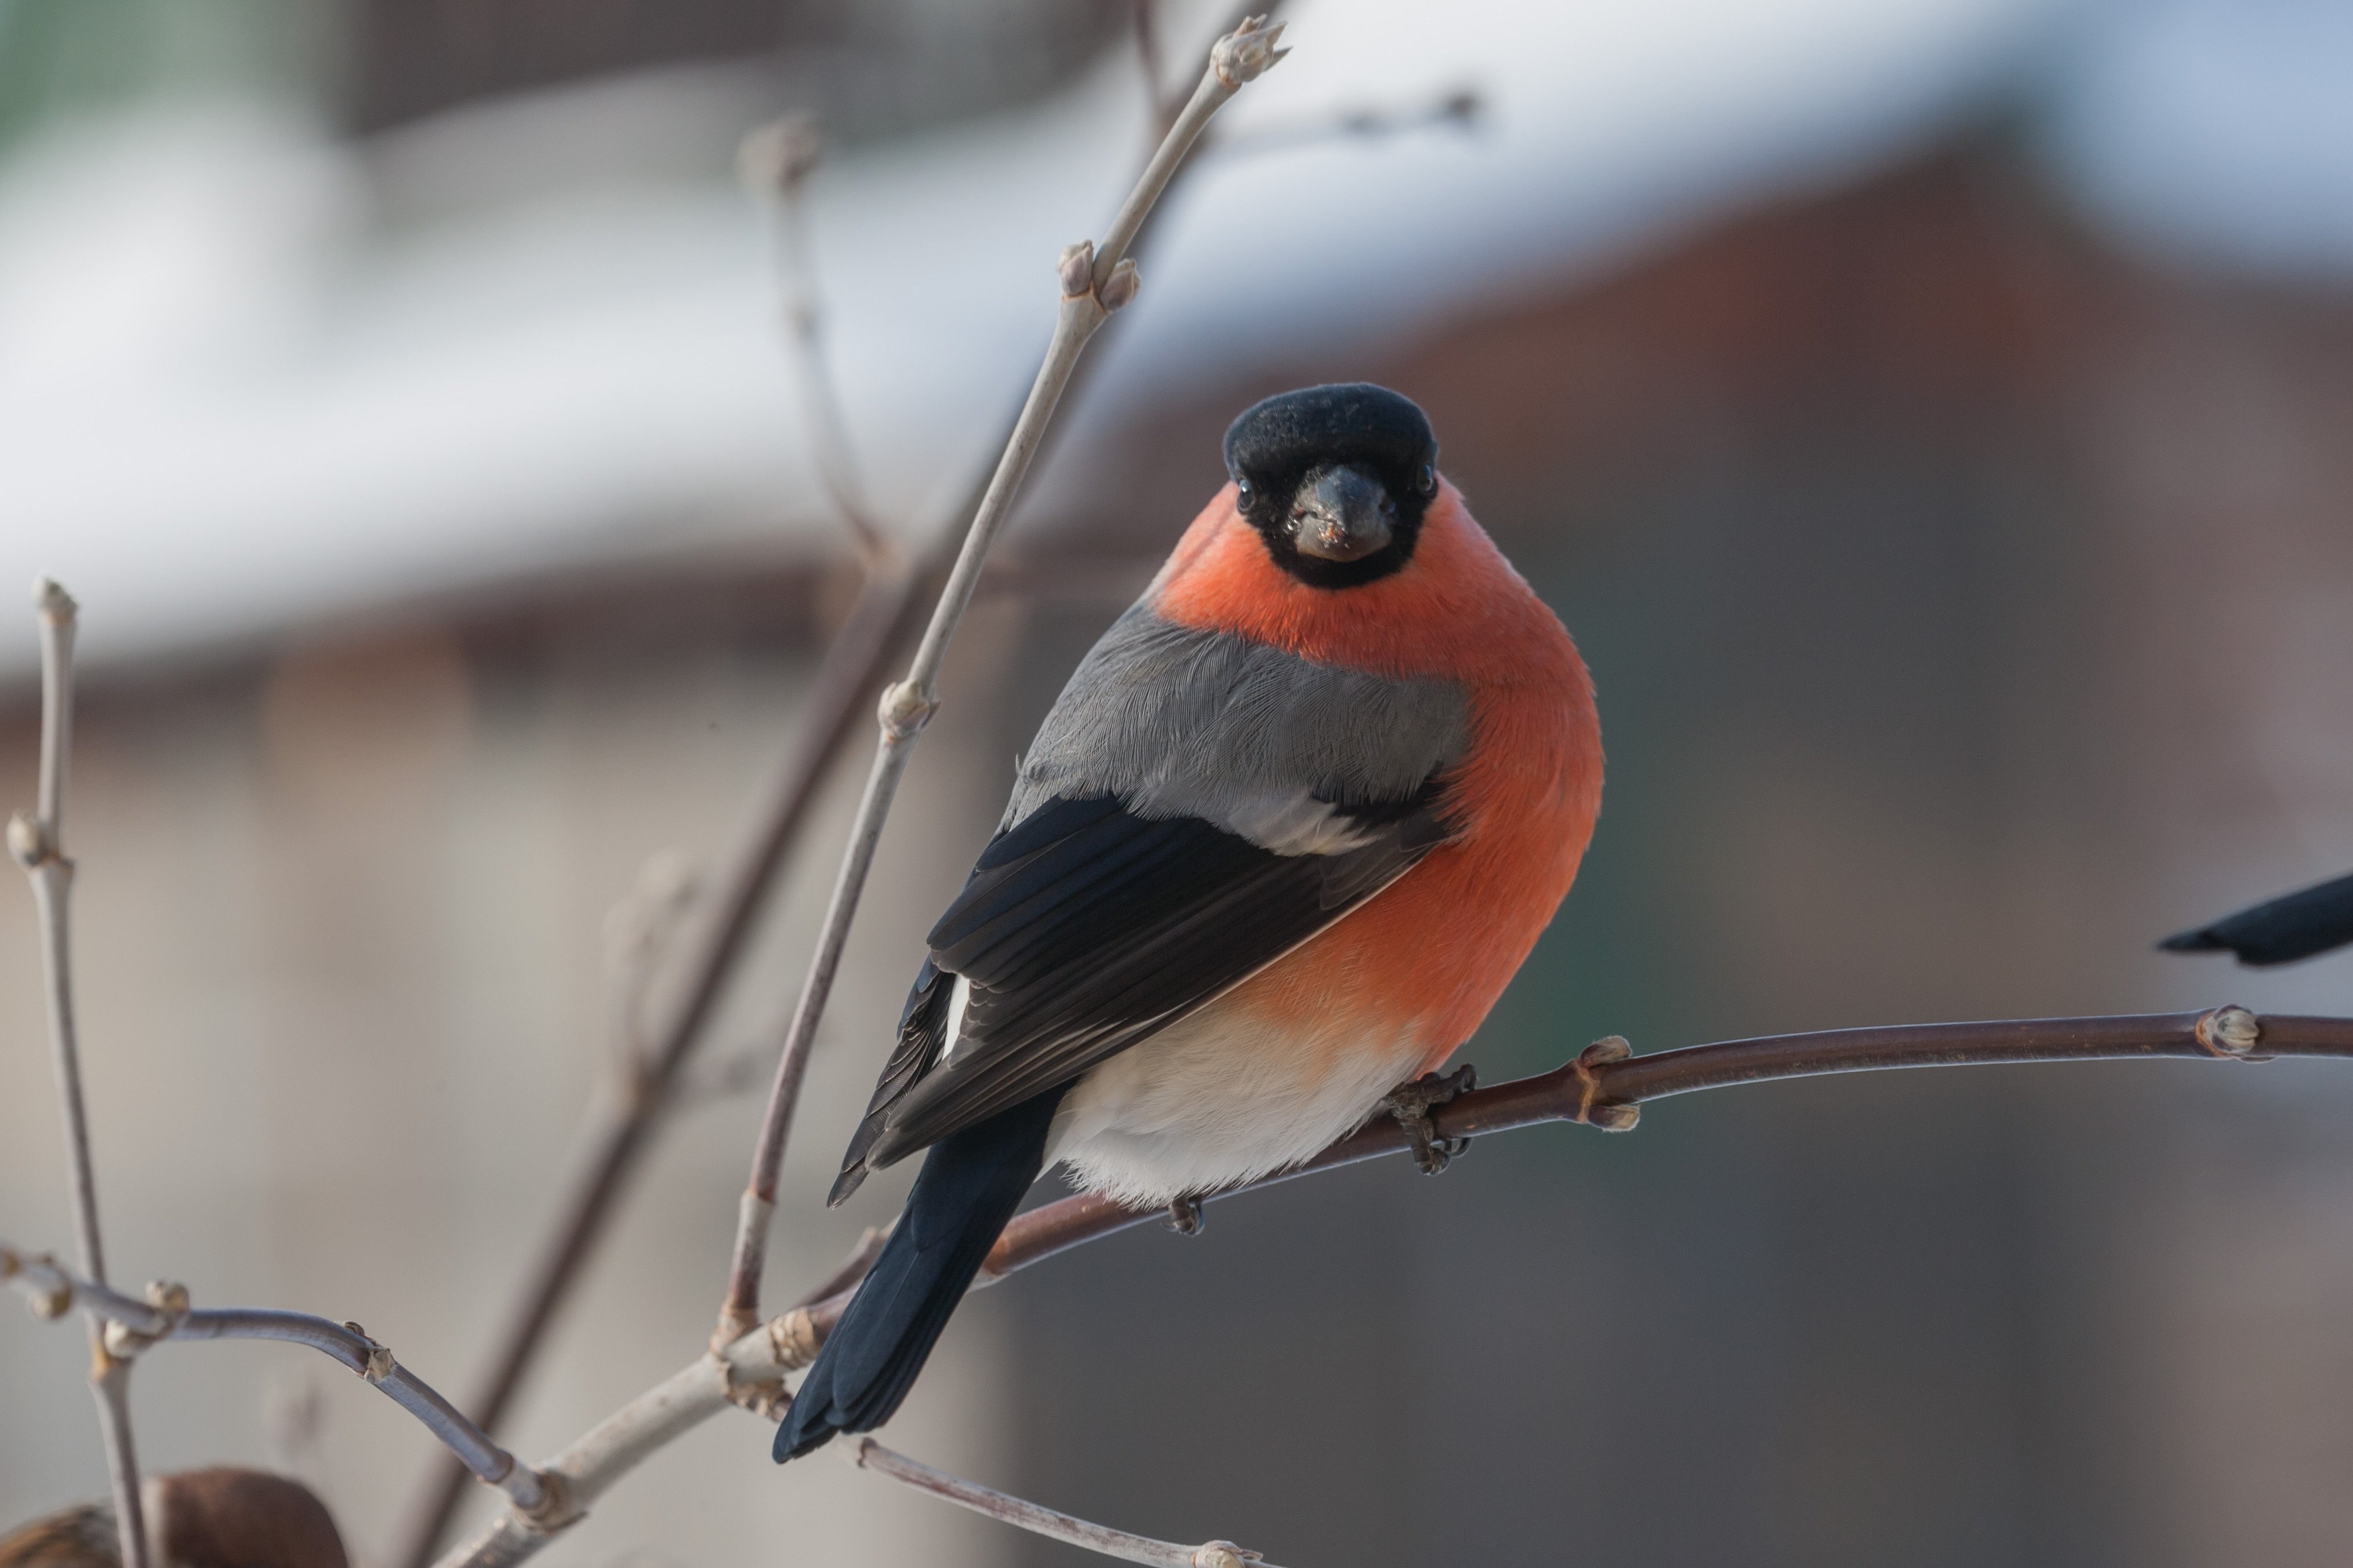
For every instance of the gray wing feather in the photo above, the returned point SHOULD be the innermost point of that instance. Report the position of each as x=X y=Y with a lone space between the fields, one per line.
x=1195 y=806
x=1179 y=723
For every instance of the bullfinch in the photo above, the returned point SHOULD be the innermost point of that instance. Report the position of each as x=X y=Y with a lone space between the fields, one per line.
x=1294 y=823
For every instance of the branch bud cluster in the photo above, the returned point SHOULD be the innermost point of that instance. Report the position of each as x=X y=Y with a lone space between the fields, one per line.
x=905 y=710
x=1077 y=269
x=29 y=841
x=167 y=1297
x=379 y=1355
x=47 y=1289
x=53 y=602
x=1248 y=52
x=1120 y=288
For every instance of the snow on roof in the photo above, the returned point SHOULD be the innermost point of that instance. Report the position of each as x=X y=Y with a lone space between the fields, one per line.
x=232 y=401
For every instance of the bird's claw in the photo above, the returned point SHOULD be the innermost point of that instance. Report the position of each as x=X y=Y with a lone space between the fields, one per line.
x=1410 y=1104
x=1185 y=1216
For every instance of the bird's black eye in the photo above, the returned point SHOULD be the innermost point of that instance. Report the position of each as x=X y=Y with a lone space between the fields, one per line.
x=1244 y=494
x=1427 y=481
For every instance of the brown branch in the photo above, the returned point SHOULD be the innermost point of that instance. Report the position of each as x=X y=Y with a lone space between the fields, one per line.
x=1604 y=1086
x=1601 y=1088
x=869 y=1455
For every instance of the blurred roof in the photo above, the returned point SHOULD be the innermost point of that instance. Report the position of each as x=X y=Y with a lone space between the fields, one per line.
x=254 y=376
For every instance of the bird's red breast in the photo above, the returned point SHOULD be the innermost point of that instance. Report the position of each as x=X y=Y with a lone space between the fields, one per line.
x=1438 y=947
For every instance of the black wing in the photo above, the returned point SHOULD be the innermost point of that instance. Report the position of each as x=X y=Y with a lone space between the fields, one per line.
x=1086 y=928
x=2292 y=926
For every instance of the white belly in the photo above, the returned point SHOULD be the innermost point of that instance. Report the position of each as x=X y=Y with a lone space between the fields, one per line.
x=1220 y=1098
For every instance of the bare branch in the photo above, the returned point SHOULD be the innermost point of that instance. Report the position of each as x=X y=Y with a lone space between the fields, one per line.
x=774 y=162
x=749 y=1372
x=131 y=1327
x=1458 y=108
x=1096 y=282
x=854 y=665
x=1605 y=1086
x=1600 y=1087
x=37 y=843
x=1167 y=106
x=869 y=1455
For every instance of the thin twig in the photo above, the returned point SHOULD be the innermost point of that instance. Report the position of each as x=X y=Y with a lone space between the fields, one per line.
x=1458 y=108
x=886 y=620
x=1604 y=1086
x=1601 y=1088
x=38 y=843
x=131 y=1327
x=749 y=1372
x=854 y=666
x=1096 y=282
x=869 y=1455
x=776 y=162
x=1167 y=107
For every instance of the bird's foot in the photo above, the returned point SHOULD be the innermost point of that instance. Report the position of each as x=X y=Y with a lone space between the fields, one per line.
x=1410 y=1104
x=1185 y=1216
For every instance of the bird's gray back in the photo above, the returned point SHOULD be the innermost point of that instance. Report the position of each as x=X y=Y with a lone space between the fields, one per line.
x=1178 y=721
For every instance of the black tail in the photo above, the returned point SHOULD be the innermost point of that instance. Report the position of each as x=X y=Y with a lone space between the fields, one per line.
x=2281 y=930
x=971 y=1182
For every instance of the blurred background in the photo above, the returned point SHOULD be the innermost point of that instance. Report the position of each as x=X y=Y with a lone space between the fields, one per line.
x=1933 y=421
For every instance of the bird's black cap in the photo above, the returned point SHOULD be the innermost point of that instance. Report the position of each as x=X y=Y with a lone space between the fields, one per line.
x=1283 y=452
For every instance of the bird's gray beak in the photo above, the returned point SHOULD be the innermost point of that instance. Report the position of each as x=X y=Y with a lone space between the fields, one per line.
x=1342 y=513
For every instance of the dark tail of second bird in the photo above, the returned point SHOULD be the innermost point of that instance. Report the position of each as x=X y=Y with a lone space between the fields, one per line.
x=971 y=1182
x=2279 y=931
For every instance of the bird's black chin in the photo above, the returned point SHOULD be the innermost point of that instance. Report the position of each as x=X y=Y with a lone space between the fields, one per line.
x=1343 y=529
x=1317 y=572
x=1342 y=514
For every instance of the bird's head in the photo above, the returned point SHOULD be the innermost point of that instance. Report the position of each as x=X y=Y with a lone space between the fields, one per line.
x=1335 y=480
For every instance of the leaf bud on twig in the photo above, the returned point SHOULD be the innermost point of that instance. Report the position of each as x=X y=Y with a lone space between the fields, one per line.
x=28 y=843
x=1248 y=52
x=50 y=598
x=1077 y=269
x=1119 y=289
x=1224 y=1554
x=905 y=710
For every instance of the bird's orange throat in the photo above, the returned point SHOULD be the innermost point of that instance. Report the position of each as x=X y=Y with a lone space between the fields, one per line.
x=1432 y=954
x=1456 y=611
